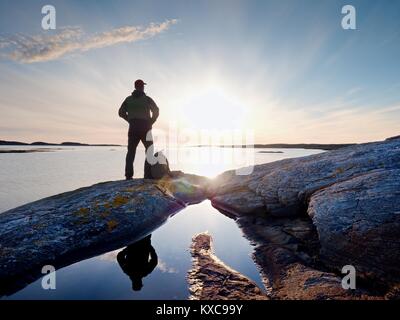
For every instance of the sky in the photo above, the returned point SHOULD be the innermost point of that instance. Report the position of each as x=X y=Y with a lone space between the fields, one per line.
x=284 y=69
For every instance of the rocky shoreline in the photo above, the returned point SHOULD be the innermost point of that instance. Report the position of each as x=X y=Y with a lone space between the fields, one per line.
x=307 y=218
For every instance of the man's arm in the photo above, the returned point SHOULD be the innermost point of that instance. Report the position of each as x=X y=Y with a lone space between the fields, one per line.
x=122 y=112
x=155 y=111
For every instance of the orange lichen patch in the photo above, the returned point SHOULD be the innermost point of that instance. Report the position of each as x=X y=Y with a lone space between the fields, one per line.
x=111 y=225
x=82 y=220
x=136 y=188
x=119 y=201
x=82 y=212
x=105 y=214
x=107 y=205
x=339 y=171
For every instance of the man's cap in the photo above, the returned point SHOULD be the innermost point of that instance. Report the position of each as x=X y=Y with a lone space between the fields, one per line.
x=139 y=82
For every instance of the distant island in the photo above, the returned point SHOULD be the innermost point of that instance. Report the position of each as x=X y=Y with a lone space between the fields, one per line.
x=264 y=151
x=318 y=146
x=40 y=143
x=33 y=150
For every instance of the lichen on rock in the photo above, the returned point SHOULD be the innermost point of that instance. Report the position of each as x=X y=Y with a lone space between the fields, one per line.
x=76 y=225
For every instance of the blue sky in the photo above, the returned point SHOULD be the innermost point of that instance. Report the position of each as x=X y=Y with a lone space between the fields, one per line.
x=285 y=69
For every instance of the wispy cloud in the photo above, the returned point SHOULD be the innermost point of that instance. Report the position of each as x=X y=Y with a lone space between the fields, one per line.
x=39 y=48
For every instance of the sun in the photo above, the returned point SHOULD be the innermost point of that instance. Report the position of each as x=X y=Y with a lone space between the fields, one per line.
x=212 y=110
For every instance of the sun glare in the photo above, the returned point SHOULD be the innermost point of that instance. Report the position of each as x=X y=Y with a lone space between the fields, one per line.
x=212 y=110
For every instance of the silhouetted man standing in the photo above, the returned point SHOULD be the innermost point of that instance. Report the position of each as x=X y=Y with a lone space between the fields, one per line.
x=141 y=112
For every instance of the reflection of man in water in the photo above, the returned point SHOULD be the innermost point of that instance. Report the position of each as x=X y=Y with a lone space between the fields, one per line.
x=138 y=260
